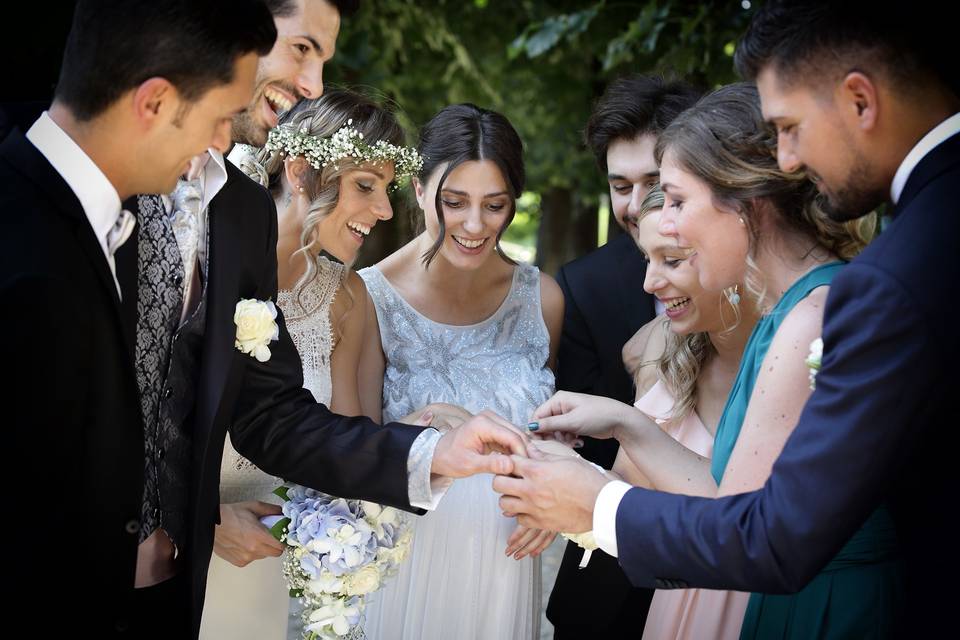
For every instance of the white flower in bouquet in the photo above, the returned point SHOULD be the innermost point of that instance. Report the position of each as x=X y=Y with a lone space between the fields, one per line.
x=336 y=615
x=377 y=516
x=394 y=556
x=362 y=582
x=326 y=583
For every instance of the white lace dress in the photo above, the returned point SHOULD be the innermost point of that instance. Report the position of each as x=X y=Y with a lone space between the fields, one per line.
x=252 y=602
x=457 y=582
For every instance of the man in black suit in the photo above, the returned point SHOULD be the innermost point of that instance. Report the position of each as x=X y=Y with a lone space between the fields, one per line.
x=866 y=101
x=605 y=306
x=145 y=87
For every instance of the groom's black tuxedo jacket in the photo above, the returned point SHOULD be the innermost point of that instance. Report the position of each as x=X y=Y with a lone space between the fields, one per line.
x=78 y=432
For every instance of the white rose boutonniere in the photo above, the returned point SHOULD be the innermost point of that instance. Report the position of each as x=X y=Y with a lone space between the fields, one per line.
x=256 y=327
x=813 y=360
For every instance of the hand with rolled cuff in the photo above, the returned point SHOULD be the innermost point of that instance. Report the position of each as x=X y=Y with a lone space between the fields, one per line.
x=486 y=443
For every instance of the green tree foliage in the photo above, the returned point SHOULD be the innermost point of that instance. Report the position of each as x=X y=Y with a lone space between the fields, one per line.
x=542 y=64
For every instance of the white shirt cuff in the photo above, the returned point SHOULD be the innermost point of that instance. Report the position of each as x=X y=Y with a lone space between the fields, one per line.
x=605 y=515
x=424 y=491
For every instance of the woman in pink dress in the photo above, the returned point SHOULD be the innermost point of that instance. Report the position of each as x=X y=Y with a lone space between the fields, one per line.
x=684 y=362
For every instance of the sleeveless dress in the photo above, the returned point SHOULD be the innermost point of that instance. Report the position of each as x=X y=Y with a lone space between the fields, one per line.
x=689 y=614
x=855 y=595
x=457 y=582
x=252 y=602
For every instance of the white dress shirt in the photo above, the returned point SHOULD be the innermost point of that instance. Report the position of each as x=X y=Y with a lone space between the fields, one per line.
x=96 y=194
x=940 y=133
x=608 y=501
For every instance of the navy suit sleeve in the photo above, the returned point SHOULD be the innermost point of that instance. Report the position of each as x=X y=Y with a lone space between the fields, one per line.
x=874 y=395
x=279 y=426
x=578 y=360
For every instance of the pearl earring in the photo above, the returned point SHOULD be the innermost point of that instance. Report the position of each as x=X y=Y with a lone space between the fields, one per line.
x=733 y=294
x=741 y=220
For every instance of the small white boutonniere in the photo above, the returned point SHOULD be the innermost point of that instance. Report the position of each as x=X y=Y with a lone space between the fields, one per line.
x=256 y=327
x=813 y=360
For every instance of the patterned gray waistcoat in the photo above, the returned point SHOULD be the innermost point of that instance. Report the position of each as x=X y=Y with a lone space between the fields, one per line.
x=168 y=365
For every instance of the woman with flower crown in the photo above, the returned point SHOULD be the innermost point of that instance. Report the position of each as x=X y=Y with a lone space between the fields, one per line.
x=452 y=319
x=328 y=166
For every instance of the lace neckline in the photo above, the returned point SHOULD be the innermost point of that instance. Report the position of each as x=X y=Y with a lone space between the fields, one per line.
x=314 y=293
x=488 y=319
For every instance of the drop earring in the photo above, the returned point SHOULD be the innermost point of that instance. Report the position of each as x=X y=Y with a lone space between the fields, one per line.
x=733 y=294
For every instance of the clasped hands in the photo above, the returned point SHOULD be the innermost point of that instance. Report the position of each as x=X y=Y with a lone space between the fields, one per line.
x=558 y=492
x=543 y=483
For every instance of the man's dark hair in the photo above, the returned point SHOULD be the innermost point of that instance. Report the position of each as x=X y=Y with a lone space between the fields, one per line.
x=632 y=106
x=287 y=8
x=808 y=39
x=115 y=45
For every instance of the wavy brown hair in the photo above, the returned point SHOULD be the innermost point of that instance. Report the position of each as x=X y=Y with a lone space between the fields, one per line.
x=724 y=141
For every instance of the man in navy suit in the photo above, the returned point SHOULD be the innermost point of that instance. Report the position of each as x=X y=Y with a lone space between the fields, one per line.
x=860 y=103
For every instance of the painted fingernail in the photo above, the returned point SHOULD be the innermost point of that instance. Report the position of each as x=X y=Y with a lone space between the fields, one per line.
x=533 y=426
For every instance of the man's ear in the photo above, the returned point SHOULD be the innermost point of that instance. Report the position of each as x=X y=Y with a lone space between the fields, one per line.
x=859 y=100
x=155 y=100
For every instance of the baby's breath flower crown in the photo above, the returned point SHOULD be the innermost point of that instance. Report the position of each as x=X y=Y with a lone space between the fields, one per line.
x=347 y=142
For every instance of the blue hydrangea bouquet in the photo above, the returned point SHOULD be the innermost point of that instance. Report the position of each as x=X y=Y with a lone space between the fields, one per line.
x=337 y=552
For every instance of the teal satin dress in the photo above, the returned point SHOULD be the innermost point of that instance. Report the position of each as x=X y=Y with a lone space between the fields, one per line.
x=856 y=595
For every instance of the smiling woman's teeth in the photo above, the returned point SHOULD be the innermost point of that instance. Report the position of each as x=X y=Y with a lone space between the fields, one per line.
x=676 y=302
x=469 y=244
x=360 y=228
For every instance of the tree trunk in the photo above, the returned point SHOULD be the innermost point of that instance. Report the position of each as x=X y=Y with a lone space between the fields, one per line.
x=568 y=229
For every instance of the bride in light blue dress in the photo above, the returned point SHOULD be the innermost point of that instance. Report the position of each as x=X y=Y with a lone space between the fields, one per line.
x=454 y=320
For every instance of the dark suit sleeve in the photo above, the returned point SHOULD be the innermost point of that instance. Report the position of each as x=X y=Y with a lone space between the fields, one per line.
x=875 y=395
x=278 y=425
x=578 y=361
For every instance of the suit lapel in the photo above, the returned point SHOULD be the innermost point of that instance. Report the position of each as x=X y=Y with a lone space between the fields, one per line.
x=222 y=288
x=126 y=262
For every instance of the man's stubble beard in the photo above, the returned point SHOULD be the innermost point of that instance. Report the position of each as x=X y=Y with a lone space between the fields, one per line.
x=246 y=130
x=858 y=196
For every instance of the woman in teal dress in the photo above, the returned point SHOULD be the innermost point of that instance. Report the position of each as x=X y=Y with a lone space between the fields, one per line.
x=793 y=249
x=744 y=220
